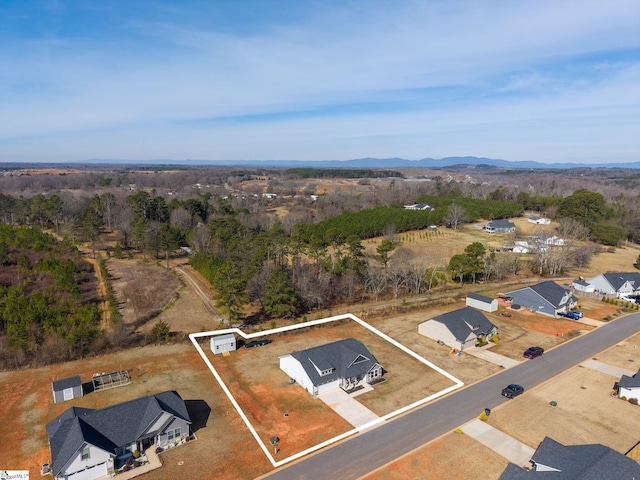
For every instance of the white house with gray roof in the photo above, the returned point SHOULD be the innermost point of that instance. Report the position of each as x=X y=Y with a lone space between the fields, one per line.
x=500 y=226
x=618 y=284
x=554 y=461
x=341 y=364
x=87 y=444
x=629 y=387
x=547 y=298
x=459 y=329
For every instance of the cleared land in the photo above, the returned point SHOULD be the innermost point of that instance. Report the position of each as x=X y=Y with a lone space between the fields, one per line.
x=262 y=390
x=225 y=449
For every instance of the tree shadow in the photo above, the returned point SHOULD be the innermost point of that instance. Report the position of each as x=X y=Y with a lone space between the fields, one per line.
x=199 y=412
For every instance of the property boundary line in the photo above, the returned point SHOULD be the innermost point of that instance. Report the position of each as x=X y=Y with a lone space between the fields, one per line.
x=277 y=463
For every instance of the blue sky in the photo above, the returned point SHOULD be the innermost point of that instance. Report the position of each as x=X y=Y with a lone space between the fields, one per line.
x=552 y=81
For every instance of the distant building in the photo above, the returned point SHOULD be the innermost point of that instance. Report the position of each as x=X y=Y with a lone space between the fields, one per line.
x=500 y=226
x=539 y=220
x=419 y=206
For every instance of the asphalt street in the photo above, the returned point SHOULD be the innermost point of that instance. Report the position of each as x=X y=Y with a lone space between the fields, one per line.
x=365 y=452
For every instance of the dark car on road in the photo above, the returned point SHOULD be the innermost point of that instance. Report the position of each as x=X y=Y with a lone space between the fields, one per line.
x=533 y=352
x=257 y=343
x=513 y=390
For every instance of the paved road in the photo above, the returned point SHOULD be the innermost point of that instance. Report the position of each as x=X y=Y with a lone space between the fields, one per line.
x=360 y=455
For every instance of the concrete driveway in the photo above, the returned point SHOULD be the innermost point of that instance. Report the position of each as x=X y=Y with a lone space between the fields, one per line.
x=348 y=407
x=513 y=450
x=606 y=368
x=485 y=354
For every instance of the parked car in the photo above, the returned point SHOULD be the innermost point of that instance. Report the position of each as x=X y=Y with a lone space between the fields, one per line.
x=257 y=343
x=533 y=352
x=513 y=390
x=578 y=313
x=570 y=315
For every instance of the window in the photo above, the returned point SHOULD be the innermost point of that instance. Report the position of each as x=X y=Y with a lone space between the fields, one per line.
x=85 y=453
x=173 y=434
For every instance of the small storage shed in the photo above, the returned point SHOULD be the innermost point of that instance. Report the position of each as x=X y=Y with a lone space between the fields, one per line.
x=223 y=343
x=582 y=286
x=481 y=302
x=67 y=389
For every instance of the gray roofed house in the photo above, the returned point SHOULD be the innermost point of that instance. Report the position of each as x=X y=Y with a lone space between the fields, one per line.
x=67 y=389
x=500 y=226
x=459 y=329
x=344 y=363
x=547 y=298
x=629 y=387
x=96 y=442
x=619 y=284
x=554 y=461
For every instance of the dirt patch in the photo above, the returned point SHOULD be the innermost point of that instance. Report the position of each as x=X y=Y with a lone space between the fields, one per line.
x=624 y=355
x=142 y=290
x=451 y=456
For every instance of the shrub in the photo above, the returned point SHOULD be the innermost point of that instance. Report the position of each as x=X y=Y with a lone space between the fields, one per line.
x=633 y=401
x=623 y=398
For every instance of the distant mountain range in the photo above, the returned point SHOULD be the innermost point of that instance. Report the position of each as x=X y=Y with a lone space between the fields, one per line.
x=378 y=163
x=375 y=163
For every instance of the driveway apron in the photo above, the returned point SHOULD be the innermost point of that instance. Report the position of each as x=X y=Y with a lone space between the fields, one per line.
x=348 y=407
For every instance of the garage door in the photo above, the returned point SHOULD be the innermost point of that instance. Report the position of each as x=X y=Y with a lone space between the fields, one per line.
x=328 y=386
x=90 y=473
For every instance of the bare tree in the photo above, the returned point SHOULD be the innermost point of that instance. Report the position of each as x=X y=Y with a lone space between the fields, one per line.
x=456 y=215
x=375 y=281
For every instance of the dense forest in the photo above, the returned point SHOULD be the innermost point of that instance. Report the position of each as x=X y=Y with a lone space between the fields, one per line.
x=298 y=250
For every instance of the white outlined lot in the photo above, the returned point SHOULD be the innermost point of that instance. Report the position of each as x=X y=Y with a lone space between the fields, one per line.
x=348 y=316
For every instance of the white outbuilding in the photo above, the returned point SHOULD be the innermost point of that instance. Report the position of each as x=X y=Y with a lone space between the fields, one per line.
x=223 y=343
x=481 y=302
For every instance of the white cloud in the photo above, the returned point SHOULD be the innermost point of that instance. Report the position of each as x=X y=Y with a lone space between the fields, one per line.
x=442 y=66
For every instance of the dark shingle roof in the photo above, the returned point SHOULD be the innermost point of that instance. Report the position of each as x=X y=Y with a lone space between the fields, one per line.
x=549 y=291
x=69 y=382
x=464 y=321
x=577 y=462
x=501 y=224
x=109 y=427
x=617 y=280
x=630 y=382
x=480 y=298
x=348 y=358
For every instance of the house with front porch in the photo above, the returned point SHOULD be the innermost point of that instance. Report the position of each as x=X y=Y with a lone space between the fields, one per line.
x=342 y=364
x=459 y=329
x=87 y=444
